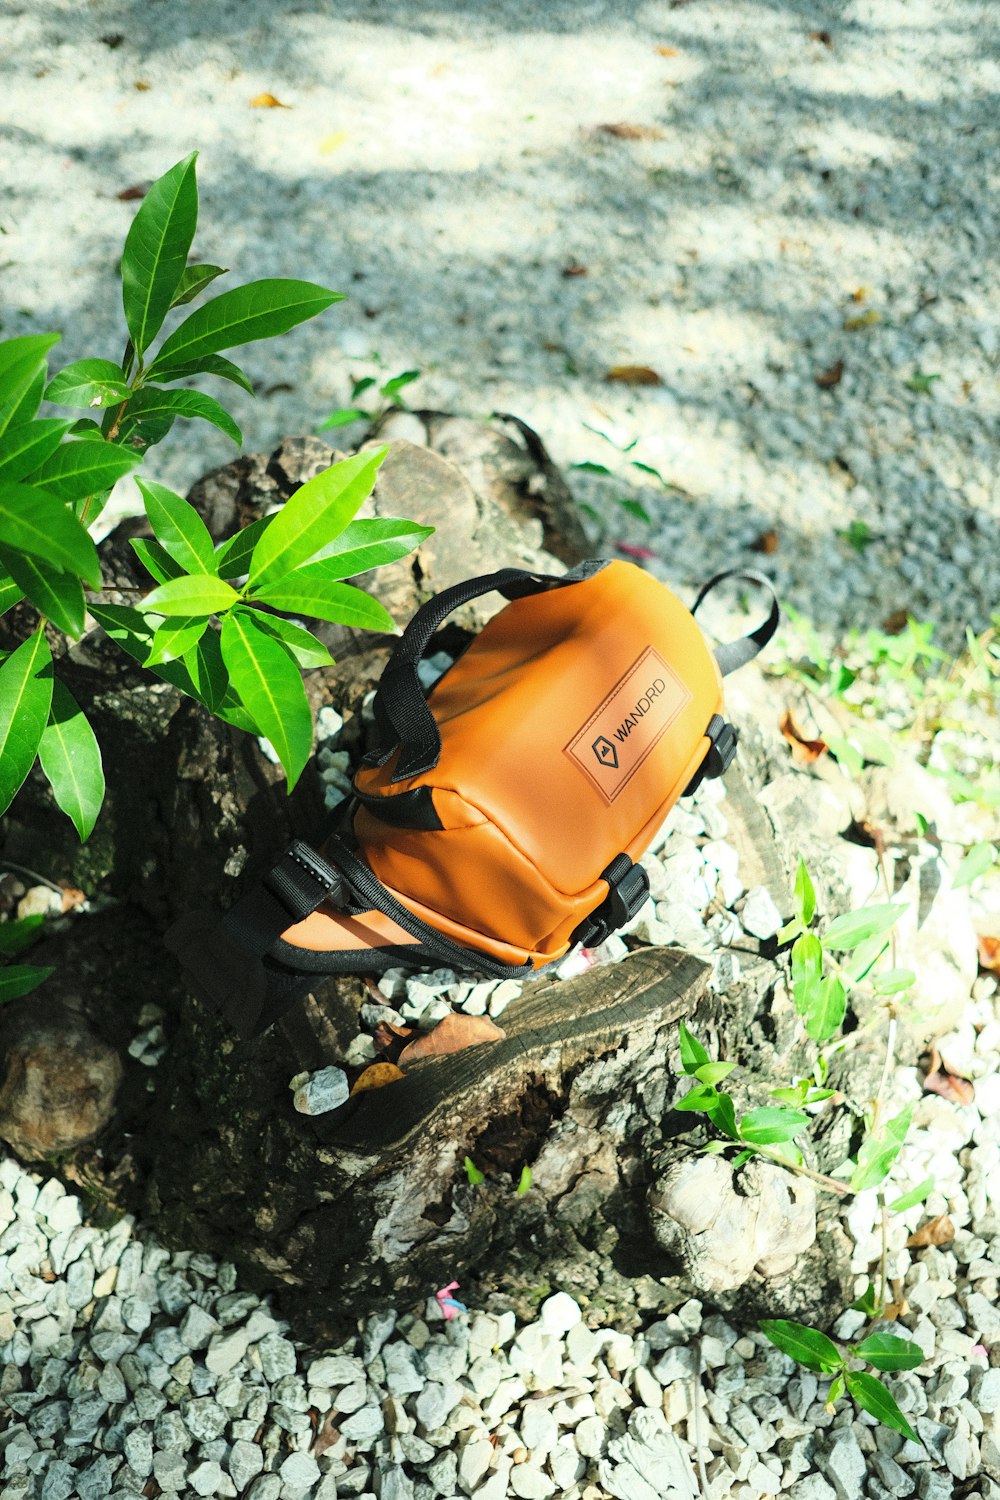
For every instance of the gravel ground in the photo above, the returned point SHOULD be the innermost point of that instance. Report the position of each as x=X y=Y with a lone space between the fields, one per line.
x=801 y=188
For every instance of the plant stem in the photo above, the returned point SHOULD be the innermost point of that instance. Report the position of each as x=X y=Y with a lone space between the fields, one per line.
x=698 y=1445
x=883 y=1262
x=830 y=1183
x=8 y=864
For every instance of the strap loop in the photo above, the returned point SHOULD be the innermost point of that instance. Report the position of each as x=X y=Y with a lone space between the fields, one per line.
x=736 y=654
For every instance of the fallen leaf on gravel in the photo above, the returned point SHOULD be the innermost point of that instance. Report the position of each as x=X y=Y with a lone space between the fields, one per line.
x=112 y=39
x=989 y=952
x=939 y=1231
x=821 y=36
x=804 y=750
x=667 y=51
x=328 y=1435
x=633 y=375
x=895 y=623
x=767 y=542
x=376 y=1077
x=138 y=191
x=949 y=1085
x=623 y=132
x=267 y=101
x=863 y=320
x=391 y=1039
x=826 y=379
x=452 y=1034
x=143 y=86
x=71 y=897
x=574 y=270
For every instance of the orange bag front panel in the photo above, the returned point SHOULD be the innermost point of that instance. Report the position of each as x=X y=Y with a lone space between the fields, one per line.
x=569 y=728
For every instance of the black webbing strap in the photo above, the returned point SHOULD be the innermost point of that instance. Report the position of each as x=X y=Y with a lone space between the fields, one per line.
x=736 y=654
x=401 y=713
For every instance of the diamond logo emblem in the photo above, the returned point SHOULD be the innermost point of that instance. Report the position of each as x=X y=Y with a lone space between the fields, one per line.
x=605 y=752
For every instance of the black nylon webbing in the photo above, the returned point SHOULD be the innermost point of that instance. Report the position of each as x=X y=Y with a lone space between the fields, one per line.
x=736 y=654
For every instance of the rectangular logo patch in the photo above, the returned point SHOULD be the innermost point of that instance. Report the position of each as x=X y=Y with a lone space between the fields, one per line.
x=627 y=723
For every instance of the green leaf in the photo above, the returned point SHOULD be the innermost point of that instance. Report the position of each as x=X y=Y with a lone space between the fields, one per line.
x=847 y=754
x=879 y=1150
x=870 y=1394
x=89 y=382
x=888 y=1352
x=864 y=958
x=836 y=1389
x=807 y=1346
x=722 y=1113
x=193 y=280
x=793 y=1096
x=856 y=927
x=268 y=682
x=893 y=981
x=342 y=417
x=175 y=638
x=155 y=560
x=648 y=469
x=341 y=603
x=913 y=1197
x=637 y=509
x=57 y=595
x=980 y=858
x=33 y=521
x=25 y=698
x=303 y=646
x=71 y=759
x=807 y=958
x=805 y=895
x=358 y=387
x=232 y=557
x=473 y=1173
x=21 y=979
x=179 y=529
x=693 y=1054
x=868 y=1302
x=156 y=251
x=19 y=933
x=153 y=402
x=84 y=467
x=700 y=1098
x=827 y=1014
x=787 y=1151
x=24 y=447
x=209 y=364
x=395 y=385
x=209 y=676
x=257 y=311
x=742 y=1157
x=21 y=362
x=772 y=1123
x=714 y=1072
x=315 y=514
x=9 y=594
x=590 y=468
x=195 y=595
x=524 y=1181
x=364 y=545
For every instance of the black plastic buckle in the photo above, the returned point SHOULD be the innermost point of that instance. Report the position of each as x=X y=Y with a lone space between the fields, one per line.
x=724 y=738
x=627 y=895
x=301 y=880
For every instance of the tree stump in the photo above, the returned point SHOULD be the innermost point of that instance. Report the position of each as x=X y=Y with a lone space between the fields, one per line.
x=371 y=1204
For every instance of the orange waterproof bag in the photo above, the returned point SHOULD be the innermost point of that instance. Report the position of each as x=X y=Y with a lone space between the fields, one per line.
x=498 y=820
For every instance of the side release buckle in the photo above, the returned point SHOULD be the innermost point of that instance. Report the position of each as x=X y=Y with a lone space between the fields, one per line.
x=627 y=895
x=723 y=738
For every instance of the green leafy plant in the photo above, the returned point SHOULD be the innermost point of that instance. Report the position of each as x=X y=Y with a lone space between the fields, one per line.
x=883 y=1351
x=16 y=979
x=472 y=1172
x=389 y=390
x=222 y=623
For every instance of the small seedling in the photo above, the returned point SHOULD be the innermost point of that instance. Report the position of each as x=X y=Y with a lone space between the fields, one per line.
x=473 y=1173
x=883 y=1351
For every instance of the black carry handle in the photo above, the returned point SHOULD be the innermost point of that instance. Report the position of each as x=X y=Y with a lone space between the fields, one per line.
x=401 y=712
x=736 y=654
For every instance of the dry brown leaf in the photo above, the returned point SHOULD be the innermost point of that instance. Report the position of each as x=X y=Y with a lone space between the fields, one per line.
x=623 y=132
x=391 y=1039
x=804 y=750
x=859 y=294
x=949 y=1085
x=376 y=1077
x=328 y=1435
x=143 y=86
x=452 y=1034
x=827 y=379
x=127 y=195
x=767 y=542
x=573 y=269
x=71 y=897
x=267 y=101
x=939 y=1231
x=895 y=623
x=633 y=375
x=667 y=51
x=821 y=36
x=863 y=320
x=989 y=952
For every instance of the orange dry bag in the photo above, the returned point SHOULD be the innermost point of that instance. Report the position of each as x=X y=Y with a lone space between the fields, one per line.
x=498 y=820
